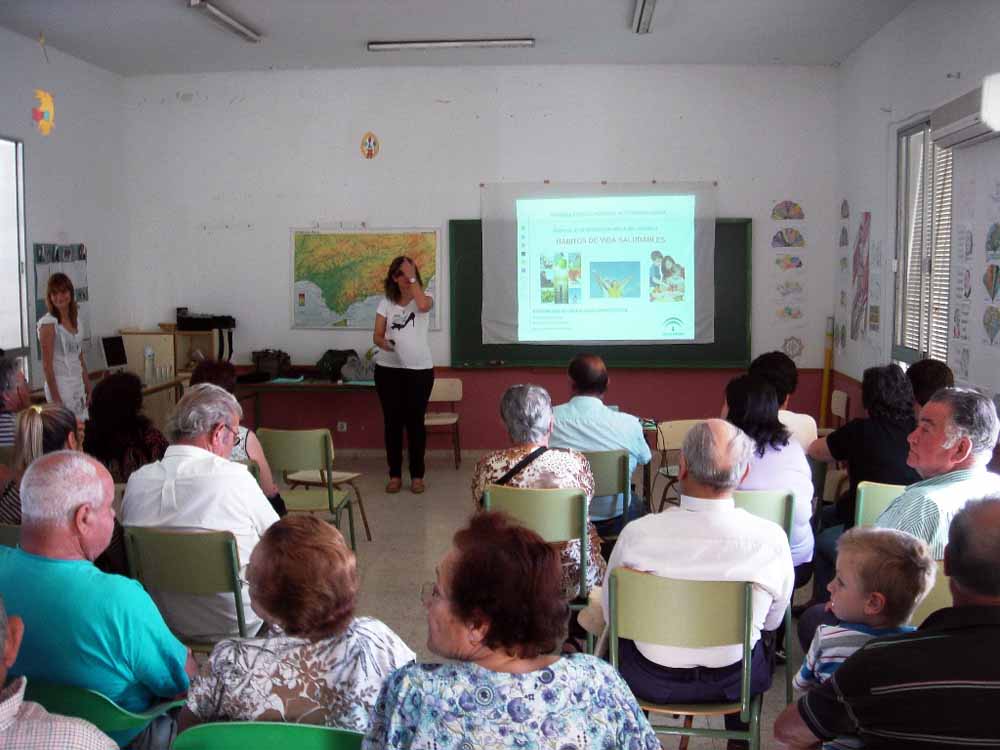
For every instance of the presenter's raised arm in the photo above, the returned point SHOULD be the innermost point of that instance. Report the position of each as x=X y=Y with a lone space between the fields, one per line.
x=410 y=281
x=379 y=338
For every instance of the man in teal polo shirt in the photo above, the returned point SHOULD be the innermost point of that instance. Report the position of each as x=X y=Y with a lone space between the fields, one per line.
x=84 y=627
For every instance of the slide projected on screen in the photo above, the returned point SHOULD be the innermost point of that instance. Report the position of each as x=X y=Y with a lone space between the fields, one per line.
x=606 y=269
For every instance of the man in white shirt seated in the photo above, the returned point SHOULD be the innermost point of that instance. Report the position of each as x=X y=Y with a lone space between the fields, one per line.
x=195 y=487
x=778 y=369
x=586 y=424
x=707 y=539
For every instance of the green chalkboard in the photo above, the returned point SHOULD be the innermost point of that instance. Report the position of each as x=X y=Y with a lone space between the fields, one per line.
x=731 y=348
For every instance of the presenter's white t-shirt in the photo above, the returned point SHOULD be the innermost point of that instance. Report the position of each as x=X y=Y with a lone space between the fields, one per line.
x=406 y=327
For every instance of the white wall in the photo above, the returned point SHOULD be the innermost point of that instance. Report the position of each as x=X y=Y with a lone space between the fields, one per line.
x=219 y=167
x=73 y=176
x=899 y=73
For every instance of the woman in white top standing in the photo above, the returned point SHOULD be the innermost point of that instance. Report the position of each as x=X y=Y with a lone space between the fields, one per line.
x=63 y=362
x=404 y=371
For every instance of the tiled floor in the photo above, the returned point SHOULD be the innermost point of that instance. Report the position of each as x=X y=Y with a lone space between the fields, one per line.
x=412 y=533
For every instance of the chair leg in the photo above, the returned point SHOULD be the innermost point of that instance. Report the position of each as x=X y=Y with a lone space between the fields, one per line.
x=350 y=525
x=788 y=654
x=688 y=723
x=457 y=444
x=361 y=507
x=666 y=490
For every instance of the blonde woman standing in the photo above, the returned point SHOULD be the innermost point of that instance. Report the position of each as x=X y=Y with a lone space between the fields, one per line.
x=63 y=362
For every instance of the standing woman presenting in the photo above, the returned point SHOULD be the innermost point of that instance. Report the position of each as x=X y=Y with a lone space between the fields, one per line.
x=63 y=363
x=404 y=372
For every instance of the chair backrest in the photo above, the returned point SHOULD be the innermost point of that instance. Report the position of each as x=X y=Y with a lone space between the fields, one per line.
x=10 y=534
x=89 y=705
x=670 y=435
x=679 y=613
x=610 y=470
x=872 y=499
x=186 y=562
x=839 y=404
x=296 y=450
x=777 y=506
x=818 y=471
x=119 y=496
x=266 y=735
x=446 y=389
x=937 y=598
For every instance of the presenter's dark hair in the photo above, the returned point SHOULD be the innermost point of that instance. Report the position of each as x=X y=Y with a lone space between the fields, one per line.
x=927 y=377
x=753 y=407
x=589 y=374
x=887 y=395
x=778 y=369
x=392 y=290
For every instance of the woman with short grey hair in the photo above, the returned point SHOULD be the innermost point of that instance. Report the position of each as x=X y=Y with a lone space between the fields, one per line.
x=527 y=412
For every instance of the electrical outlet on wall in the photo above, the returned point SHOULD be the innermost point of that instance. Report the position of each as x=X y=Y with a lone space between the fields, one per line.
x=341 y=426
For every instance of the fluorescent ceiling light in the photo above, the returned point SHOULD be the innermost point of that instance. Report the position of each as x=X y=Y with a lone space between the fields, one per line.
x=227 y=20
x=450 y=44
x=643 y=16
x=991 y=101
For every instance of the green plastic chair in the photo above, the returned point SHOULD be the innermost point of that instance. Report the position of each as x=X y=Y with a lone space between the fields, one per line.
x=10 y=534
x=188 y=562
x=872 y=499
x=91 y=706
x=777 y=506
x=556 y=516
x=687 y=614
x=937 y=598
x=611 y=477
x=290 y=451
x=266 y=735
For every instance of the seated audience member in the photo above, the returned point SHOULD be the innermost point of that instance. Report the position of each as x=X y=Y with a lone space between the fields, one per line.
x=195 y=487
x=949 y=449
x=117 y=433
x=247 y=448
x=777 y=462
x=584 y=423
x=81 y=626
x=527 y=412
x=706 y=539
x=778 y=369
x=496 y=612
x=936 y=687
x=326 y=666
x=14 y=396
x=927 y=377
x=27 y=726
x=875 y=450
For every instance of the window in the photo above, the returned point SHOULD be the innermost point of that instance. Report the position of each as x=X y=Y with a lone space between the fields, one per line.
x=13 y=290
x=923 y=247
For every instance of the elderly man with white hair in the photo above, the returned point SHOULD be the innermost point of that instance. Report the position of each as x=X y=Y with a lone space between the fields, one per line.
x=14 y=396
x=195 y=487
x=707 y=539
x=81 y=626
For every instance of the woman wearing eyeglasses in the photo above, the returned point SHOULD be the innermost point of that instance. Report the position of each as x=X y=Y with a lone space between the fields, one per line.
x=404 y=370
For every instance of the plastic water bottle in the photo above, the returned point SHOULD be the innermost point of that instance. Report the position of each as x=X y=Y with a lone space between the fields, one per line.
x=149 y=370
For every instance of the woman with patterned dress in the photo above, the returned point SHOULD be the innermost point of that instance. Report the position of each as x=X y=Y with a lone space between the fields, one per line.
x=496 y=611
x=527 y=412
x=323 y=665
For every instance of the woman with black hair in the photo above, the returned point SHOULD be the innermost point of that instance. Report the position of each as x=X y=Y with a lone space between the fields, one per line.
x=778 y=462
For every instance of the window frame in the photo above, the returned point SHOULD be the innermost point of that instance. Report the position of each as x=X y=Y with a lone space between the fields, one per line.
x=24 y=350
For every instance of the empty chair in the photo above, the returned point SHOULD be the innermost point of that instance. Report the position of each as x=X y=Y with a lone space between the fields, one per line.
x=446 y=390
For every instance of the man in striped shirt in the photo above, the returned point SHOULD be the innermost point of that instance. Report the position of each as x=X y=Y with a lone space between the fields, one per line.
x=14 y=396
x=937 y=687
x=950 y=448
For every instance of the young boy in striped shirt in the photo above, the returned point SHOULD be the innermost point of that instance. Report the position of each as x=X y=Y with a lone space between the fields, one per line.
x=882 y=575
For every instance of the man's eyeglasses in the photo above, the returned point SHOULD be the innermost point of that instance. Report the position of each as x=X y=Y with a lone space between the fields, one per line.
x=236 y=435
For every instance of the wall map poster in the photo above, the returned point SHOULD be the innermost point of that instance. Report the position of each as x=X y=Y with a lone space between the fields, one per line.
x=338 y=276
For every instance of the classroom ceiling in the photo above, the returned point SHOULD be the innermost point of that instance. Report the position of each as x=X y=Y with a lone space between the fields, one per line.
x=142 y=37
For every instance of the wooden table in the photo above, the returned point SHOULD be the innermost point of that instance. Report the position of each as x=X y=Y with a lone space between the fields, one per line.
x=309 y=385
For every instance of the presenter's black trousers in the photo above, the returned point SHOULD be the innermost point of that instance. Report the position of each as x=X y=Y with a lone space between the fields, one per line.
x=403 y=394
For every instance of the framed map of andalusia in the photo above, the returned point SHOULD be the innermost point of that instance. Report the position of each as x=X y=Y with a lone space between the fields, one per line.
x=338 y=276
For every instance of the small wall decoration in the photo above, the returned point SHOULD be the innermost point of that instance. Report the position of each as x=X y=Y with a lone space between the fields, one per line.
x=991 y=322
x=991 y=280
x=845 y=209
x=788 y=262
x=793 y=347
x=44 y=115
x=788 y=237
x=844 y=241
x=370 y=145
x=993 y=242
x=787 y=210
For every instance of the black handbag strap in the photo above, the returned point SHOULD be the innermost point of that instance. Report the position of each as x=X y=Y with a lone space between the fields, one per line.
x=516 y=468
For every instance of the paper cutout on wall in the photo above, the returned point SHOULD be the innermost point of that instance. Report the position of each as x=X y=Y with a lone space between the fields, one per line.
x=788 y=237
x=963 y=283
x=789 y=313
x=842 y=336
x=843 y=298
x=963 y=363
x=793 y=347
x=845 y=209
x=963 y=244
x=44 y=115
x=789 y=289
x=787 y=262
x=874 y=318
x=370 y=145
x=786 y=210
x=859 y=276
x=843 y=265
x=991 y=280
x=991 y=322
x=844 y=242
x=993 y=242
x=960 y=323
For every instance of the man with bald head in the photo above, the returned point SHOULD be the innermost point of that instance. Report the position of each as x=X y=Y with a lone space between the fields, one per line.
x=84 y=627
x=707 y=539
x=584 y=423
